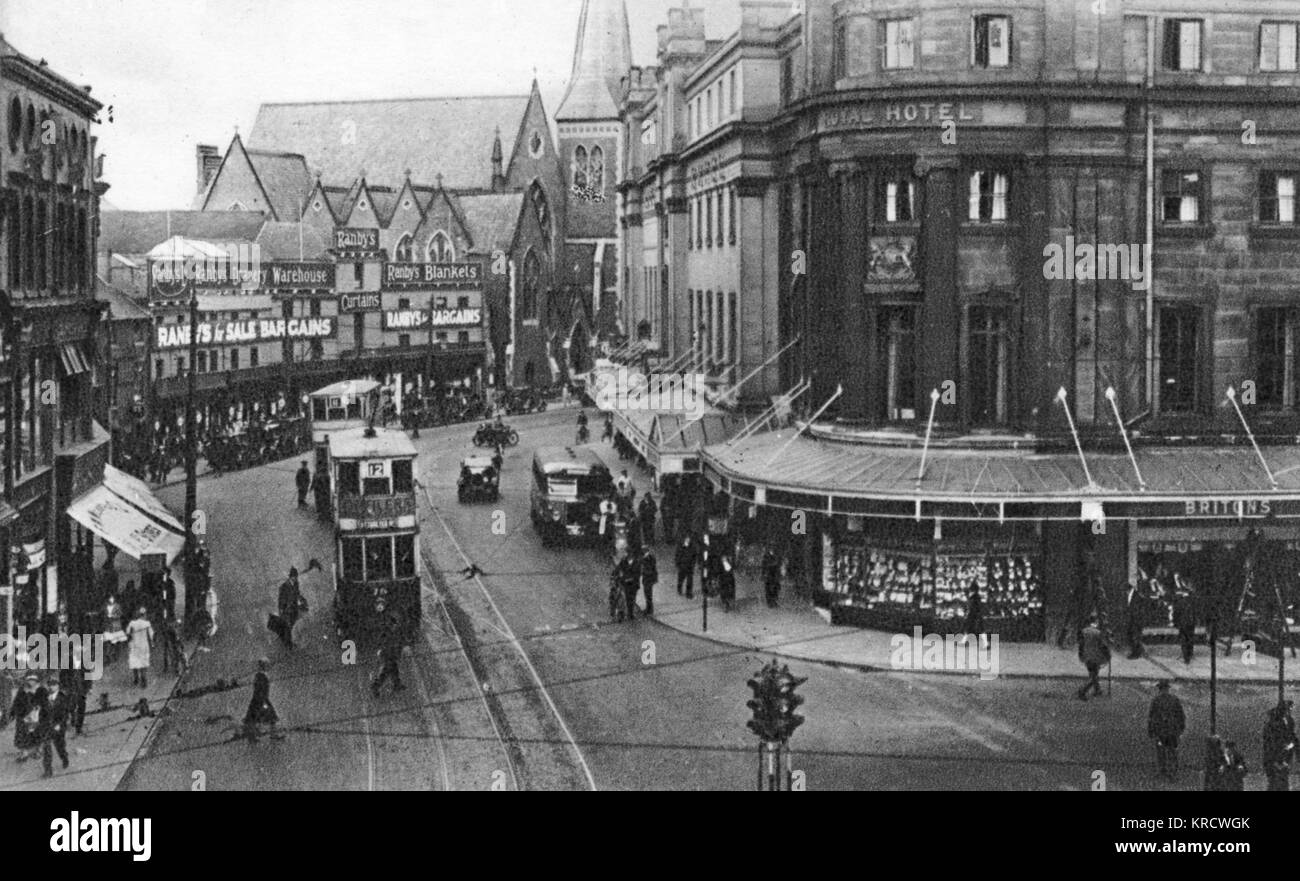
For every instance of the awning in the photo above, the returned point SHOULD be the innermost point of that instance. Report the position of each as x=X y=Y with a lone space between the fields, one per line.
x=74 y=360
x=677 y=438
x=966 y=483
x=119 y=522
x=635 y=427
x=137 y=492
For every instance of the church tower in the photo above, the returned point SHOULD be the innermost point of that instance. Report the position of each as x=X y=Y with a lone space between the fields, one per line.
x=590 y=145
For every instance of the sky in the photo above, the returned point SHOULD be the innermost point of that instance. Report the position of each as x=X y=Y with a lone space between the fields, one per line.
x=177 y=73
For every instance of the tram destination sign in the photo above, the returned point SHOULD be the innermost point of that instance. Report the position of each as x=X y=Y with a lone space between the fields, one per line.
x=432 y=275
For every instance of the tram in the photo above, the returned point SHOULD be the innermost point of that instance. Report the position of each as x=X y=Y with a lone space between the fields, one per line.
x=376 y=534
x=343 y=405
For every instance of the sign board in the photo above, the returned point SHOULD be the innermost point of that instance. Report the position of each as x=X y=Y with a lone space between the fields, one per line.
x=376 y=468
x=353 y=303
x=297 y=276
x=415 y=319
x=436 y=275
x=364 y=240
x=899 y=113
x=261 y=330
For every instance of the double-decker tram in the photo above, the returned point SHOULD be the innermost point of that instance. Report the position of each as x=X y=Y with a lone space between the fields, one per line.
x=343 y=405
x=376 y=534
x=568 y=487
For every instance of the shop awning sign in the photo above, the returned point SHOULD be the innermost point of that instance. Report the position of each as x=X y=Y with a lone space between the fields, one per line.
x=115 y=520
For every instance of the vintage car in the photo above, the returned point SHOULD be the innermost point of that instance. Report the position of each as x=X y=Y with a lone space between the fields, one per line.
x=479 y=477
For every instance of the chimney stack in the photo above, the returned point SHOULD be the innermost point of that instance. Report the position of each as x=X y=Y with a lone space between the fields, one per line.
x=208 y=158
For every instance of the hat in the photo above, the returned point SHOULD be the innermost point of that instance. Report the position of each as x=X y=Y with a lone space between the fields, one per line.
x=293 y=571
x=31 y=677
x=264 y=663
x=1163 y=685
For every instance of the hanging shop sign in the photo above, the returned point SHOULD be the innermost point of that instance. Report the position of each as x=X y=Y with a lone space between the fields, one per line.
x=437 y=275
x=297 y=276
x=363 y=240
x=262 y=330
x=353 y=303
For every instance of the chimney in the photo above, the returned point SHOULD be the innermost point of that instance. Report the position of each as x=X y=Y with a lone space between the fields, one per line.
x=208 y=158
x=757 y=16
x=684 y=34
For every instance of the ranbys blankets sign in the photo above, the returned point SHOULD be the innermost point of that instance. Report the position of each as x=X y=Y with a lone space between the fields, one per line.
x=414 y=319
x=432 y=275
x=297 y=276
x=260 y=330
x=356 y=240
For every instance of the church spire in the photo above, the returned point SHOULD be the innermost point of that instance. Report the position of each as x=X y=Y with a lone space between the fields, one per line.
x=602 y=55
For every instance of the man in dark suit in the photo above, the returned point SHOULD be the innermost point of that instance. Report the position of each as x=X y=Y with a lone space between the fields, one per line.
x=290 y=599
x=685 y=560
x=53 y=729
x=649 y=578
x=303 y=480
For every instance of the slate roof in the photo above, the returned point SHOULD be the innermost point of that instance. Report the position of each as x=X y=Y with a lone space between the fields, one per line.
x=452 y=136
x=122 y=306
x=286 y=180
x=279 y=241
x=138 y=232
x=492 y=219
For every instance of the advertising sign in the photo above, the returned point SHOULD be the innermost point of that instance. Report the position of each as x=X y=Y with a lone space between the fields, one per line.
x=351 y=303
x=297 y=276
x=347 y=239
x=432 y=275
x=262 y=330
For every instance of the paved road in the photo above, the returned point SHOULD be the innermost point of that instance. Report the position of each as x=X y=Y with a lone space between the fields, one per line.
x=521 y=681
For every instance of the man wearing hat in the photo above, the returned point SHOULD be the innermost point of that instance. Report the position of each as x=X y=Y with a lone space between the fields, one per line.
x=25 y=712
x=291 y=600
x=303 y=480
x=1165 y=724
x=53 y=726
x=1279 y=747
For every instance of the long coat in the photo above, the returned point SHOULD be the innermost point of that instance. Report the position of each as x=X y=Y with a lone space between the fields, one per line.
x=289 y=597
x=26 y=736
x=1166 y=717
x=260 y=710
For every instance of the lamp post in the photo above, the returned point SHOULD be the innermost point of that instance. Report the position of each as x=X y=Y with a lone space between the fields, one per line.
x=191 y=460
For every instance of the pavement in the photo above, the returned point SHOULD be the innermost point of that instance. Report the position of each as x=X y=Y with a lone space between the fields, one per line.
x=799 y=630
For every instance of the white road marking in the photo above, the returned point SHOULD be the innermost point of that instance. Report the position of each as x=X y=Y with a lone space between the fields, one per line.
x=509 y=634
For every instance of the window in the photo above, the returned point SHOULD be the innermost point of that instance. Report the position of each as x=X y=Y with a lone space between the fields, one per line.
x=462 y=302
x=1275 y=351
x=596 y=170
x=991 y=45
x=359 y=330
x=531 y=287
x=1180 y=351
x=1277 y=196
x=158 y=368
x=352 y=559
x=440 y=302
x=988 y=196
x=405 y=252
x=349 y=477
x=896 y=351
x=376 y=486
x=580 y=167
x=402 y=476
x=1182 y=50
x=180 y=365
x=15 y=125
x=201 y=362
x=699 y=222
x=379 y=559
x=895 y=200
x=731 y=216
x=214 y=360
x=254 y=354
x=42 y=245
x=708 y=110
x=1277 y=45
x=440 y=248
x=404 y=341
x=358 y=272
x=1180 y=196
x=462 y=338
x=898 y=52
x=708 y=221
x=840 y=50
x=234 y=359
x=787 y=80
x=403 y=303
x=404 y=546
x=314 y=308
x=731 y=79
x=988 y=355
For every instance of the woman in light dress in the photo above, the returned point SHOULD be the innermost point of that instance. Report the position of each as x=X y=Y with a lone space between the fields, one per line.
x=139 y=634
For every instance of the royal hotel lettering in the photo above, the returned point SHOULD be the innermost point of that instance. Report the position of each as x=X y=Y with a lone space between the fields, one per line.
x=862 y=115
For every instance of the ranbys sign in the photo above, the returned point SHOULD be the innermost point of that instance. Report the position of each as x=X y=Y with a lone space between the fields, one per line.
x=457 y=317
x=432 y=275
x=413 y=319
x=260 y=330
x=347 y=239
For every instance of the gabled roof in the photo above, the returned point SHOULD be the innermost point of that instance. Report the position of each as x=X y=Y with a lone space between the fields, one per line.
x=121 y=306
x=492 y=219
x=341 y=198
x=285 y=179
x=383 y=200
x=137 y=232
x=280 y=241
x=450 y=135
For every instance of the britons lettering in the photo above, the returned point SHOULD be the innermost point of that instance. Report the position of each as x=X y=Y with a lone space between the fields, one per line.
x=1227 y=508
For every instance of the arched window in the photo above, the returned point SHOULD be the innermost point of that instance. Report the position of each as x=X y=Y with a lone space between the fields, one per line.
x=15 y=125
x=42 y=251
x=31 y=127
x=580 y=167
x=13 y=236
x=405 y=252
x=57 y=242
x=440 y=248
x=540 y=207
x=29 y=241
x=596 y=170
x=531 y=287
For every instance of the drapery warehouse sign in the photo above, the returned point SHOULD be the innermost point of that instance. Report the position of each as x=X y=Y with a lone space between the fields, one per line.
x=262 y=330
x=432 y=275
x=413 y=319
x=297 y=276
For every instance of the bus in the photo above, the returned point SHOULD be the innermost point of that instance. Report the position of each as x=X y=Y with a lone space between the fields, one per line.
x=340 y=406
x=568 y=487
x=376 y=534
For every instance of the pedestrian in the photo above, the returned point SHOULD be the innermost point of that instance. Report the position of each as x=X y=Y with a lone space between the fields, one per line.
x=114 y=632
x=261 y=712
x=629 y=577
x=55 y=712
x=139 y=635
x=1165 y=724
x=634 y=536
x=608 y=434
x=1094 y=652
x=727 y=583
x=303 y=480
x=649 y=578
x=1075 y=614
x=1279 y=747
x=168 y=593
x=26 y=714
x=290 y=604
x=173 y=646
x=1134 y=620
x=685 y=562
x=77 y=688
x=974 y=613
x=608 y=510
x=646 y=513
x=390 y=651
x=1185 y=622
x=771 y=577
x=617 y=595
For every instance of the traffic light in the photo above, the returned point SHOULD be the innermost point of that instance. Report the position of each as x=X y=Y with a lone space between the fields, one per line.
x=766 y=721
x=787 y=701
